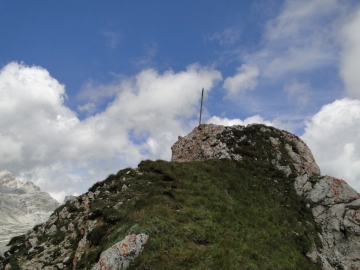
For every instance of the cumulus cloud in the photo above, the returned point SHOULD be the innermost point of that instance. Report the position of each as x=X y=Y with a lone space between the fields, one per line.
x=245 y=79
x=350 y=64
x=333 y=136
x=42 y=140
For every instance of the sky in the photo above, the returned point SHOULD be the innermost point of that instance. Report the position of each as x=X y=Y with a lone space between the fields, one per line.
x=91 y=87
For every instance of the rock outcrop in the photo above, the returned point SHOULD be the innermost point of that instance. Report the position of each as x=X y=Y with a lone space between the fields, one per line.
x=21 y=206
x=120 y=255
x=62 y=241
x=335 y=205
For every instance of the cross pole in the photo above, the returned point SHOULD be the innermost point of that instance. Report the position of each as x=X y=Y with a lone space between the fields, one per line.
x=202 y=97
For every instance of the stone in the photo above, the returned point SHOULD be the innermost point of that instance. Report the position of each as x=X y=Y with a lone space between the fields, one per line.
x=124 y=187
x=53 y=218
x=52 y=230
x=82 y=246
x=91 y=195
x=313 y=256
x=302 y=185
x=63 y=213
x=71 y=227
x=120 y=255
x=200 y=144
x=275 y=142
x=302 y=155
x=330 y=190
x=33 y=241
x=117 y=206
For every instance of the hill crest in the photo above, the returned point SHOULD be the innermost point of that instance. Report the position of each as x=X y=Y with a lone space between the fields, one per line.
x=254 y=186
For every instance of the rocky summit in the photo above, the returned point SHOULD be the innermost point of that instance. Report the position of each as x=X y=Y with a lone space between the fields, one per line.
x=231 y=198
x=21 y=206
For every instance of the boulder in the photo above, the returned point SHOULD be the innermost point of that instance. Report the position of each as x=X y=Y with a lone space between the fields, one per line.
x=120 y=255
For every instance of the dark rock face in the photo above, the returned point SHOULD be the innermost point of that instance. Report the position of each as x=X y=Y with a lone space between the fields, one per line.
x=335 y=205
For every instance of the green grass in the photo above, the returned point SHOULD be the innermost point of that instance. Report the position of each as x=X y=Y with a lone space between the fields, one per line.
x=217 y=214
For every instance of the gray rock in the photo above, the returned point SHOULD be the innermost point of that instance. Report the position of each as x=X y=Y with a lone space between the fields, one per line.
x=52 y=230
x=330 y=190
x=120 y=255
x=117 y=206
x=71 y=227
x=275 y=142
x=302 y=185
x=33 y=241
x=63 y=213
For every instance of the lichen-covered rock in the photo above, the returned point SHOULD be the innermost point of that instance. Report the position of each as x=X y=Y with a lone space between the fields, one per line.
x=205 y=142
x=120 y=255
x=200 y=144
x=330 y=190
x=301 y=154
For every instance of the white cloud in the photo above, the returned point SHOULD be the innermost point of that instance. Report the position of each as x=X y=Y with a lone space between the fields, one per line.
x=230 y=122
x=113 y=39
x=298 y=91
x=256 y=119
x=303 y=37
x=228 y=36
x=42 y=140
x=350 y=64
x=245 y=79
x=333 y=136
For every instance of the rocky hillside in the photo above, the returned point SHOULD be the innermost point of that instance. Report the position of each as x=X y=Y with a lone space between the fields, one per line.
x=21 y=206
x=232 y=198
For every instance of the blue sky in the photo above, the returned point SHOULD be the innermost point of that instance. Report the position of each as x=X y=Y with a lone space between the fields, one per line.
x=91 y=87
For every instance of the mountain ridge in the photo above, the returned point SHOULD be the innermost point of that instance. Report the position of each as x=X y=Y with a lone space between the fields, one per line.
x=22 y=205
x=232 y=198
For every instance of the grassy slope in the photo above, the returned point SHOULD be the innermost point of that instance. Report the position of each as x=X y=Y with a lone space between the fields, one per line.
x=217 y=214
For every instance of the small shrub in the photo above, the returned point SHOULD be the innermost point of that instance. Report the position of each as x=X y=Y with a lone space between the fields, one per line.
x=95 y=186
x=96 y=213
x=17 y=240
x=58 y=237
x=111 y=215
x=97 y=234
